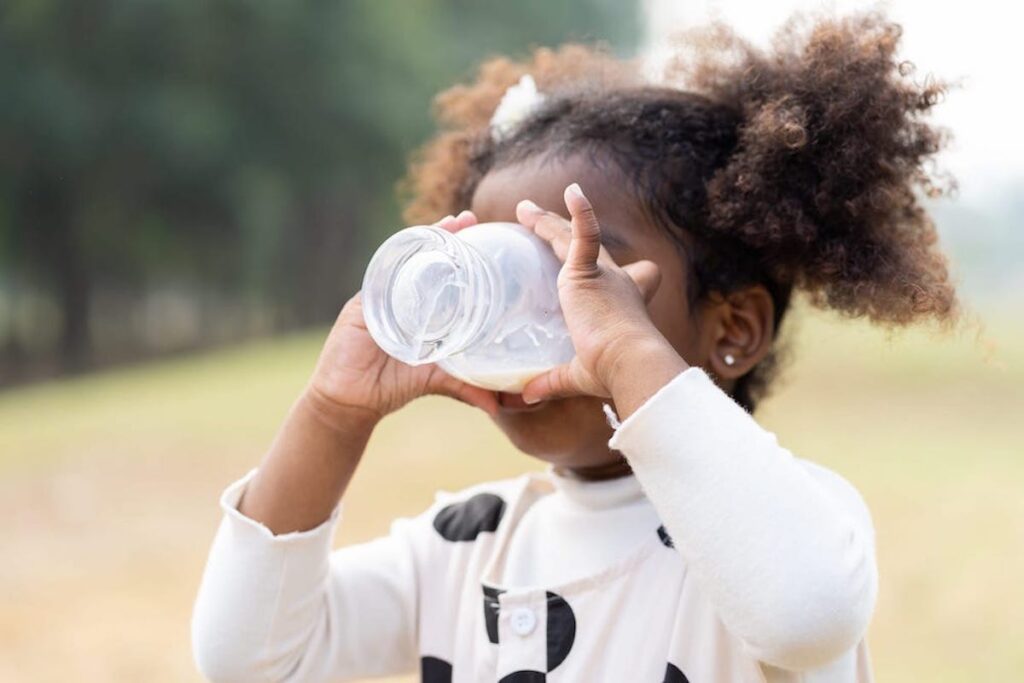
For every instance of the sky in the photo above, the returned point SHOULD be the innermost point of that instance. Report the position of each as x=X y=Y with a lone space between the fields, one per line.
x=978 y=43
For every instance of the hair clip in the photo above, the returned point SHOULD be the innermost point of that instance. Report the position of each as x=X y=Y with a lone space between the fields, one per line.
x=517 y=104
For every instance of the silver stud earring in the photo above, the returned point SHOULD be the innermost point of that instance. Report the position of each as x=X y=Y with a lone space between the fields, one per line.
x=729 y=359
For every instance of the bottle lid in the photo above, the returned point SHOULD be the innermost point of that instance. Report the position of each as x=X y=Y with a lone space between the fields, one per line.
x=420 y=295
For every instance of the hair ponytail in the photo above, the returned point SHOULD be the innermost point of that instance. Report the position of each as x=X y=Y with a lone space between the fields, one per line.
x=832 y=153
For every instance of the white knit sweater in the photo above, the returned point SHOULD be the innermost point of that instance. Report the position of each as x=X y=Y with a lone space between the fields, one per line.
x=725 y=558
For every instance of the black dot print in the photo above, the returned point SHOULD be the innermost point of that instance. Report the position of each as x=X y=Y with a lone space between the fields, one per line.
x=466 y=520
x=665 y=538
x=435 y=670
x=561 y=630
x=673 y=674
x=524 y=677
x=491 y=612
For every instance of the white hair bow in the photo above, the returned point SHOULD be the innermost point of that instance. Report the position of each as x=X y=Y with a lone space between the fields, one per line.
x=518 y=102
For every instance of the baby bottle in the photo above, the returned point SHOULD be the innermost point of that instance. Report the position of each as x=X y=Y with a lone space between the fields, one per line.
x=482 y=303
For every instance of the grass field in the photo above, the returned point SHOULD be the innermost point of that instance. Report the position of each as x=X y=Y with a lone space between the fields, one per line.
x=108 y=488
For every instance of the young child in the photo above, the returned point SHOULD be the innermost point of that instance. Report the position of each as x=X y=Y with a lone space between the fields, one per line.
x=671 y=538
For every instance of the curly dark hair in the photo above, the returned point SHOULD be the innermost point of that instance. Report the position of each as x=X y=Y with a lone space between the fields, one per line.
x=797 y=168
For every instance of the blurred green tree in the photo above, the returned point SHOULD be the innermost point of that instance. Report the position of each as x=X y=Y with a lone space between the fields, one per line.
x=246 y=148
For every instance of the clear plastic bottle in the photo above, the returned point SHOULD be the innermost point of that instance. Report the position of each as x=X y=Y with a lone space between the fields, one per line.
x=481 y=303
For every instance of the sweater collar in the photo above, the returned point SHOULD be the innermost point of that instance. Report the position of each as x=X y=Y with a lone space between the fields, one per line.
x=596 y=495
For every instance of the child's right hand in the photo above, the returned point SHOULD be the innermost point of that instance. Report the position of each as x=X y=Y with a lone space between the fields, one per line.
x=354 y=376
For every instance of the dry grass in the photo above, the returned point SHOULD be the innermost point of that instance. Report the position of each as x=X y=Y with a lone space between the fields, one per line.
x=108 y=487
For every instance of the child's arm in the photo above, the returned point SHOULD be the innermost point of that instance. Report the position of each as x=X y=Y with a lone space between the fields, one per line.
x=786 y=557
x=274 y=605
x=282 y=608
x=784 y=549
x=354 y=385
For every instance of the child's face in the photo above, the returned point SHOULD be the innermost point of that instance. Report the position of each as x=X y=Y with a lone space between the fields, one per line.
x=573 y=432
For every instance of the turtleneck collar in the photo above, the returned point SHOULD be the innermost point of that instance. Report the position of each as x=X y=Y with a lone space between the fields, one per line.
x=605 y=494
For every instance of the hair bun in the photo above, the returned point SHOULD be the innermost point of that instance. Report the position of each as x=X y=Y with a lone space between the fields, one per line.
x=832 y=153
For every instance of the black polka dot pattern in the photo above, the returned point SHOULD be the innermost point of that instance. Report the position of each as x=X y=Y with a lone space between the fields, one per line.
x=466 y=520
x=665 y=538
x=524 y=677
x=673 y=674
x=435 y=670
x=561 y=630
x=491 y=612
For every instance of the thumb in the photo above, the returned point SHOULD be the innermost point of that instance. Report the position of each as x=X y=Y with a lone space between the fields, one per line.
x=445 y=385
x=646 y=275
x=561 y=381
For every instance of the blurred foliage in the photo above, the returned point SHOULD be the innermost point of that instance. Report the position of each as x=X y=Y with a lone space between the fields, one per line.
x=237 y=152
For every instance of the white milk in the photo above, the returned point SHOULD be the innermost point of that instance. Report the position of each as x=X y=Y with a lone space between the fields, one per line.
x=509 y=382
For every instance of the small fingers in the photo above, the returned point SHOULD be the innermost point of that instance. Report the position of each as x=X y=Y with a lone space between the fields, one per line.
x=555 y=383
x=528 y=213
x=550 y=227
x=562 y=381
x=483 y=399
x=646 y=275
x=456 y=223
x=449 y=386
x=464 y=220
x=585 y=246
x=577 y=242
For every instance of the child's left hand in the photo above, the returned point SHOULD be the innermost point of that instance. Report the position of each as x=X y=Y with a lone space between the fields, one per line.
x=604 y=305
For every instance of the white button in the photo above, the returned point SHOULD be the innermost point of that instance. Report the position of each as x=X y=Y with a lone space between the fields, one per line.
x=523 y=621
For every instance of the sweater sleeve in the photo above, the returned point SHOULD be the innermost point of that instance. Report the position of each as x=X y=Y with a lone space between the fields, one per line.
x=285 y=608
x=784 y=548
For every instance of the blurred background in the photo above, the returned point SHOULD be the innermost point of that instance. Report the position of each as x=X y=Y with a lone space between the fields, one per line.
x=190 y=189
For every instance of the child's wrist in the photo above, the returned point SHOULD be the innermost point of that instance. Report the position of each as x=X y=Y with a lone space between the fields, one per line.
x=626 y=352
x=643 y=367
x=337 y=416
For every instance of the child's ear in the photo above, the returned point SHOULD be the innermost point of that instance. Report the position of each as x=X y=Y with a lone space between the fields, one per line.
x=744 y=331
